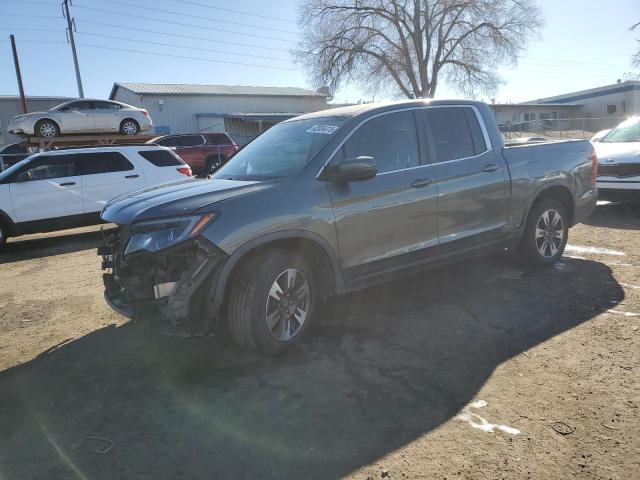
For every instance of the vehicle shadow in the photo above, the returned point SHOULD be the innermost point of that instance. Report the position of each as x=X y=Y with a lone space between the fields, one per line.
x=47 y=245
x=621 y=216
x=379 y=369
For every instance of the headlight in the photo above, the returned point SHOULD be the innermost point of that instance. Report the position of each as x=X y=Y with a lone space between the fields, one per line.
x=160 y=234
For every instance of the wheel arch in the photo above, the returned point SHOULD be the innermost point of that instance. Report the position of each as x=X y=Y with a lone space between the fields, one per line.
x=40 y=120
x=129 y=118
x=312 y=246
x=6 y=222
x=558 y=191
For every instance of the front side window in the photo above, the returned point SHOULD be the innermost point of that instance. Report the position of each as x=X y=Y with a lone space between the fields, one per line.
x=49 y=167
x=627 y=131
x=80 y=105
x=455 y=133
x=390 y=139
x=281 y=151
x=104 y=162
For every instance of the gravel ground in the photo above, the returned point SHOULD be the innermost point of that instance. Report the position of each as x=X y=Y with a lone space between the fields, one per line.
x=478 y=370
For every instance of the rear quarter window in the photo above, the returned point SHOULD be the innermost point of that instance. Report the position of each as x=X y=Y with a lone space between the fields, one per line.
x=161 y=158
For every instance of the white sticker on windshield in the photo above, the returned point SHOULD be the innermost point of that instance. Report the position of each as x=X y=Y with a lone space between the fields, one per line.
x=324 y=129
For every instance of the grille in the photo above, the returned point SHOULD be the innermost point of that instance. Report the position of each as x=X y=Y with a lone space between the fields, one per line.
x=619 y=170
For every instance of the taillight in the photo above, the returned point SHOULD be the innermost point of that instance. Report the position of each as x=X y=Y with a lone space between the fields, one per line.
x=594 y=167
x=145 y=113
x=185 y=170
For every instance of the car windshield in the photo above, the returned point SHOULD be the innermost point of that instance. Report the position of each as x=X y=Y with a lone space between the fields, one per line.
x=627 y=131
x=282 y=150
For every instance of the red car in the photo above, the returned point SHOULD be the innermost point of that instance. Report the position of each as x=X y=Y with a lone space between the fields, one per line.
x=203 y=152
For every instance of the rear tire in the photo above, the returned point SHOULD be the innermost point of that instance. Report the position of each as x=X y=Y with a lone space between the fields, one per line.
x=4 y=232
x=47 y=128
x=271 y=301
x=545 y=234
x=129 y=127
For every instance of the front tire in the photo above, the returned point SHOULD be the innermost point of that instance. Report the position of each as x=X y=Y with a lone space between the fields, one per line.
x=4 y=232
x=47 y=129
x=545 y=234
x=129 y=127
x=271 y=302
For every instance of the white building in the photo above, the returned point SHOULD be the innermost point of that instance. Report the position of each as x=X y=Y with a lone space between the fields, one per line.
x=10 y=106
x=242 y=111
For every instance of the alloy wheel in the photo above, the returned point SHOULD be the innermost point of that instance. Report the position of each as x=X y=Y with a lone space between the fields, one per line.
x=549 y=233
x=288 y=304
x=129 y=128
x=47 y=129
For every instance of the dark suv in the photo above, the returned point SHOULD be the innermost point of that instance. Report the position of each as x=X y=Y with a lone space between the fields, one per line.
x=334 y=201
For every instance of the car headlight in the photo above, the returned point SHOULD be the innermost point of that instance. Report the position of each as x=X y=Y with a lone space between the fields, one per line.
x=160 y=234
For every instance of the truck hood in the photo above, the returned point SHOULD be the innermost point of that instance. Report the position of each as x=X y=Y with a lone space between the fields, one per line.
x=177 y=198
x=617 y=152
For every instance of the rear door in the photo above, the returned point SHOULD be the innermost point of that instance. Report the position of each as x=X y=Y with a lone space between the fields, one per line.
x=389 y=221
x=193 y=150
x=106 y=175
x=77 y=116
x=52 y=190
x=473 y=182
x=107 y=116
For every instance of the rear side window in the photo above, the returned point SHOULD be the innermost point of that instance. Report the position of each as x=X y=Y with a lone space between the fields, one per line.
x=189 y=140
x=219 y=139
x=104 y=162
x=161 y=158
x=54 y=166
x=455 y=133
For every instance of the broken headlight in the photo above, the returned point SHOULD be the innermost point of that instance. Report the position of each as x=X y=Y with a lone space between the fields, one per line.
x=160 y=234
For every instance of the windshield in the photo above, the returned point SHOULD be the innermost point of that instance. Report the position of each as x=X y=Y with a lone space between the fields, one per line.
x=282 y=150
x=627 y=131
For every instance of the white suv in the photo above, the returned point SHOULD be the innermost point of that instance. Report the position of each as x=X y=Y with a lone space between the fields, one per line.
x=68 y=188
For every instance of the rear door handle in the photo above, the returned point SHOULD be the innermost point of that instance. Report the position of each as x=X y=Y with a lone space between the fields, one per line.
x=66 y=184
x=132 y=176
x=492 y=167
x=421 y=182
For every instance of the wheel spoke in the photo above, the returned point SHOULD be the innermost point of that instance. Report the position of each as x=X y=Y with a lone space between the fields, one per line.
x=559 y=234
x=276 y=291
x=291 y=278
x=556 y=218
x=539 y=233
x=272 y=319
x=545 y=218
x=553 y=248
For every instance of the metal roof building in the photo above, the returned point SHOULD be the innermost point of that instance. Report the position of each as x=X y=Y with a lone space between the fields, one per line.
x=242 y=111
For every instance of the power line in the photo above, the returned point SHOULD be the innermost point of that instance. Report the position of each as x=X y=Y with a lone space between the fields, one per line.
x=209 y=19
x=227 y=52
x=16 y=29
x=192 y=37
x=185 y=57
x=235 y=11
x=131 y=15
x=30 y=16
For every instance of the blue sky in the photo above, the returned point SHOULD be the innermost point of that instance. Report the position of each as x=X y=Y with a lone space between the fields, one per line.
x=583 y=44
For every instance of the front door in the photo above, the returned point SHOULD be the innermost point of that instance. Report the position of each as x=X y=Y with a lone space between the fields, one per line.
x=473 y=180
x=389 y=221
x=107 y=116
x=50 y=187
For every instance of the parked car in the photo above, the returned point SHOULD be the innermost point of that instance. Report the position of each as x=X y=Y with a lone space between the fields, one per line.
x=68 y=188
x=203 y=152
x=600 y=135
x=338 y=200
x=619 y=162
x=12 y=154
x=82 y=116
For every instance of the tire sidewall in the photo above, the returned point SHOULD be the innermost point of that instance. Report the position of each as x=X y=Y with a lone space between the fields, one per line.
x=42 y=122
x=529 y=247
x=265 y=342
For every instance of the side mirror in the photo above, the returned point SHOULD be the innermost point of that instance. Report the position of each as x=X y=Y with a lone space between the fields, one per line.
x=354 y=169
x=23 y=177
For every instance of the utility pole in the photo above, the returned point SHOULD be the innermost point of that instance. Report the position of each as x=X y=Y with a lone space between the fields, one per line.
x=72 y=40
x=18 y=74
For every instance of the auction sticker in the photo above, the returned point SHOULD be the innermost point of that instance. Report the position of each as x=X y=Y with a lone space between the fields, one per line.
x=324 y=129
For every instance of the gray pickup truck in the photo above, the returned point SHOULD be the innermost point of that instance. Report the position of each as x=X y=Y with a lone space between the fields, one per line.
x=335 y=201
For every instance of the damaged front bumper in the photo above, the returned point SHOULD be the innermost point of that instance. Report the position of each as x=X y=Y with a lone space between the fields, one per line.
x=172 y=282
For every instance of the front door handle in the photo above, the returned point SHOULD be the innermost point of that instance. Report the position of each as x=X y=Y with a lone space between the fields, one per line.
x=132 y=176
x=421 y=182
x=492 y=167
x=66 y=184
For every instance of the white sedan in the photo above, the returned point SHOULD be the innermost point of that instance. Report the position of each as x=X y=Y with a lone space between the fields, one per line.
x=82 y=116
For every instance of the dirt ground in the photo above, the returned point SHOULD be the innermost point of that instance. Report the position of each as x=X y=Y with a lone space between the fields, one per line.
x=478 y=370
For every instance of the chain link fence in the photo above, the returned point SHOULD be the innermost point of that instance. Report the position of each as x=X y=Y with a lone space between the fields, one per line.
x=560 y=127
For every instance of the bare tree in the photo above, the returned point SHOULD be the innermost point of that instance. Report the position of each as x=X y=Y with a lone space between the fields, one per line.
x=635 y=60
x=410 y=44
